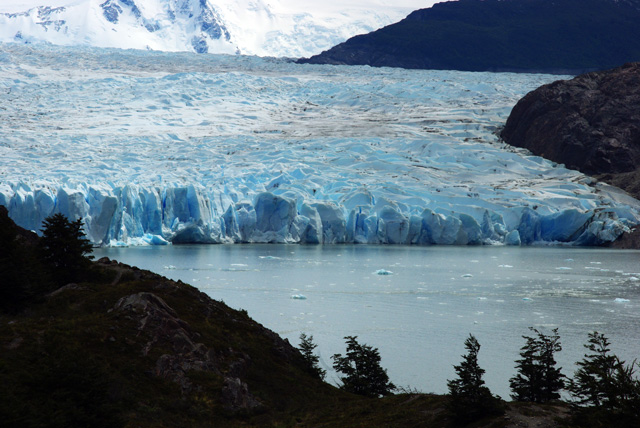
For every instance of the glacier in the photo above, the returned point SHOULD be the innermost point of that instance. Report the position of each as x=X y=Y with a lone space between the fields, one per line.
x=278 y=28
x=153 y=148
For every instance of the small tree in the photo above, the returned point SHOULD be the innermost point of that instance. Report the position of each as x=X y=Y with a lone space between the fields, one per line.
x=605 y=390
x=362 y=370
x=538 y=379
x=306 y=348
x=64 y=247
x=469 y=399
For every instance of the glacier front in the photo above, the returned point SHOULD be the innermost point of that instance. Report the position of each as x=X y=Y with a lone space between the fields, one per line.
x=157 y=148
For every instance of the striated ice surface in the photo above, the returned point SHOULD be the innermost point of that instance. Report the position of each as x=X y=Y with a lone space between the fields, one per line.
x=156 y=148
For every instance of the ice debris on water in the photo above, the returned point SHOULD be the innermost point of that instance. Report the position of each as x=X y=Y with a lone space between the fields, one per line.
x=621 y=300
x=467 y=275
x=383 y=272
x=298 y=297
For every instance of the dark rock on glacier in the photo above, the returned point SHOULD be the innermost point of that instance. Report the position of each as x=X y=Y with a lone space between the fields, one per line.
x=563 y=36
x=590 y=123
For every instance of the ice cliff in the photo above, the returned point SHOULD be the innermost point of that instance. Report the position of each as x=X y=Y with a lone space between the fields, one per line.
x=152 y=148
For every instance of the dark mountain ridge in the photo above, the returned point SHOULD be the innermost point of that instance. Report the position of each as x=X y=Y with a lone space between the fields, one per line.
x=559 y=36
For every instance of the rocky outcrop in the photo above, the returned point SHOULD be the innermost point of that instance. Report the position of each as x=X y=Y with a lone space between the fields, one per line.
x=590 y=123
x=163 y=329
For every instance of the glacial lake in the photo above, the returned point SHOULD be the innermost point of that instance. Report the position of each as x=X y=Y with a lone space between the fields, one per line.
x=417 y=305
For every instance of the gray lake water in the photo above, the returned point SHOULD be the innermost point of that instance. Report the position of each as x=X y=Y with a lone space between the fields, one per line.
x=420 y=311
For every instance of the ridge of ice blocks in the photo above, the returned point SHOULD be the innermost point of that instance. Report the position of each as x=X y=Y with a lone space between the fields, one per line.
x=152 y=148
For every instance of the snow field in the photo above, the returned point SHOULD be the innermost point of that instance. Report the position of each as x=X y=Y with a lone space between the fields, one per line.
x=279 y=28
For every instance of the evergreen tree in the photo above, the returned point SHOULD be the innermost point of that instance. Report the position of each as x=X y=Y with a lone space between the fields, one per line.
x=362 y=370
x=306 y=348
x=469 y=399
x=605 y=390
x=64 y=248
x=538 y=379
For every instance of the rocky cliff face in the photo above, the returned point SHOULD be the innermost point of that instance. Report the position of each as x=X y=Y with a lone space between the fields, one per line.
x=590 y=123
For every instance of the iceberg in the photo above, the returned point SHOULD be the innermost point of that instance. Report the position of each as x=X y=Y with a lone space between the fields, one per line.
x=231 y=149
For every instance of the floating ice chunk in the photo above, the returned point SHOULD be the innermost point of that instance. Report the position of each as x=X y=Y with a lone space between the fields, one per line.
x=467 y=275
x=298 y=297
x=526 y=299
x=633 y=279
x=564 y=268
x=505 y=266
x=269 y=257
x=383 y=272
x=170 y=267
x=621 y=300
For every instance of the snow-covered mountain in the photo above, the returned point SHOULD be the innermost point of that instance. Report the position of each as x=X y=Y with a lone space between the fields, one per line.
x=154 y=147
x=290 y=28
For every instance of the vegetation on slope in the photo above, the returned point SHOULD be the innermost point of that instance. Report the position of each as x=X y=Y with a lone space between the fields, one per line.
x=122 y=347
